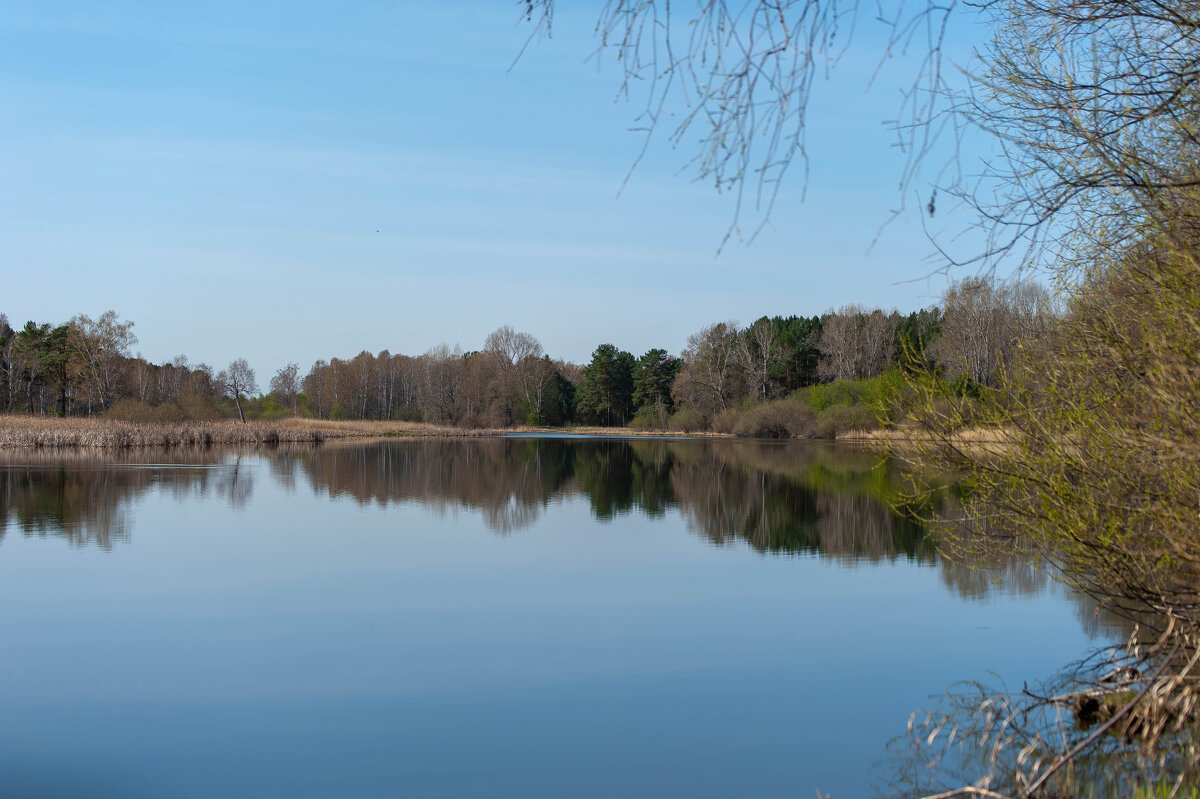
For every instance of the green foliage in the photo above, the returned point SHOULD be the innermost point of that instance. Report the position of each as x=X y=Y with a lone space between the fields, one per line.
x=653 y=375
x=558 y=404
x=965 y=386
x=38 y=362
x=408 y=412
x=1166 y=790
x=606 y=393
x=876 y=392
x=798 y=337
x=266 y=408
x=840 y=392
x=914 y=336
x=651 y=417
x=568 y=400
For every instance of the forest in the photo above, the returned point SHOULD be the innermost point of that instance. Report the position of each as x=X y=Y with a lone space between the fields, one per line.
x=778 y=377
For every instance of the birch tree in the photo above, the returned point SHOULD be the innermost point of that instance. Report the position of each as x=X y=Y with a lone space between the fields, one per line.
x=236 y=381
x=100 y=348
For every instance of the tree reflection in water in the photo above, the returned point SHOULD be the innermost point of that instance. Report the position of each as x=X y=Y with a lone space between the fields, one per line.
x=86 y=496
x=775 y=497
x=811 y=499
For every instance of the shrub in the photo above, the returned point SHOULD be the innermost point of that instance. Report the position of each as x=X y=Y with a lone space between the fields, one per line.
x=777 y=419
x=650 y=417
x=726 y=420
x=965 y=386
x=686 y=420
x=837 y=419
x=197 y=408
x=839 y=392
x=130 y=410
x=267 y=408
x=409 y=412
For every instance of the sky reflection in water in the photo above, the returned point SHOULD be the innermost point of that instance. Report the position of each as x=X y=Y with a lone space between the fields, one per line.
x=485 y=617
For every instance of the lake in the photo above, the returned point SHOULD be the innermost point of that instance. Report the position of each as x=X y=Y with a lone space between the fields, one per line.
x=517 y=616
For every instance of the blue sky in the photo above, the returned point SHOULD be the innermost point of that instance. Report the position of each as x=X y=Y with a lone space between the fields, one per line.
x=292 y=181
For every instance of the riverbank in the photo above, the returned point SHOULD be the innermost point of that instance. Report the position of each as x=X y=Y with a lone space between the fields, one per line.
x=52 y=432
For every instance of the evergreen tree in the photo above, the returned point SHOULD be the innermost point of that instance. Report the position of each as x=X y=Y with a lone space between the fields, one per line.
x=798 y=337
x=605 y=396
x=653 y=375
x=915 y=333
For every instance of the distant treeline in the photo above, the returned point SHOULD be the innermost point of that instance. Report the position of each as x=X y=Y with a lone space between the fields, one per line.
x=85 y=367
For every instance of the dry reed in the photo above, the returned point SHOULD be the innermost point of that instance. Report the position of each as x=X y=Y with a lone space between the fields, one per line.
x=47 y=432
x=18 y=431
x=978 y=440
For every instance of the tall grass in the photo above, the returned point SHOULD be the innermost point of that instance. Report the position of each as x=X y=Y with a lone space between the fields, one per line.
x=105 y=432
x=48 y=432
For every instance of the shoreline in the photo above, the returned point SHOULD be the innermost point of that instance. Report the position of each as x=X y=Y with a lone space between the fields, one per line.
x=47 y=432
x=38 y=432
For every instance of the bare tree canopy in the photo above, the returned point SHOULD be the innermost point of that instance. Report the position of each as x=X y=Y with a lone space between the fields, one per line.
x=711 y=377
x=237 y=380
x=286 y=384
x=983 y=323
x=736 y=77
x=101 y=347
x=856 y=343
x=1089 y=107
x=512 y=345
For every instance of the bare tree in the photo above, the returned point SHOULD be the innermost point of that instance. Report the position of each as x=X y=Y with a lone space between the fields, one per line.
x=711 y=378
x=286 y=385
x=143 y=378
x=856 y=343
x=360 y=374
x=314 y=386
x=736 y=77
x=537 y=376
x=759 y=350
x=99 y=349
x=439 y=381
x=521 y=377
x=8 y=369
x=202 y=382
x=983 y=321
x=514 y=346
x=237 y=380
x=170 y=378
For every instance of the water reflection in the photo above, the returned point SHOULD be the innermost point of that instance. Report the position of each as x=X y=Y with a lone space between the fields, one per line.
x=278 y=628
x=828 y=501
x=86 y=497
x=777 y=498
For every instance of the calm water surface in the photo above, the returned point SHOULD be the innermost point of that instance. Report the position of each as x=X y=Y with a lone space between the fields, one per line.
x=498 y=617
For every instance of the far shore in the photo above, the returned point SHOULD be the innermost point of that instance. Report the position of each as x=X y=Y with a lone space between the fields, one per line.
x=18 y=431
x=21 y=431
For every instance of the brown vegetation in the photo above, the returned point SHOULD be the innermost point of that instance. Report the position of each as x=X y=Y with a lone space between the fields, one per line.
x=916 y=440
x=41 y=431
